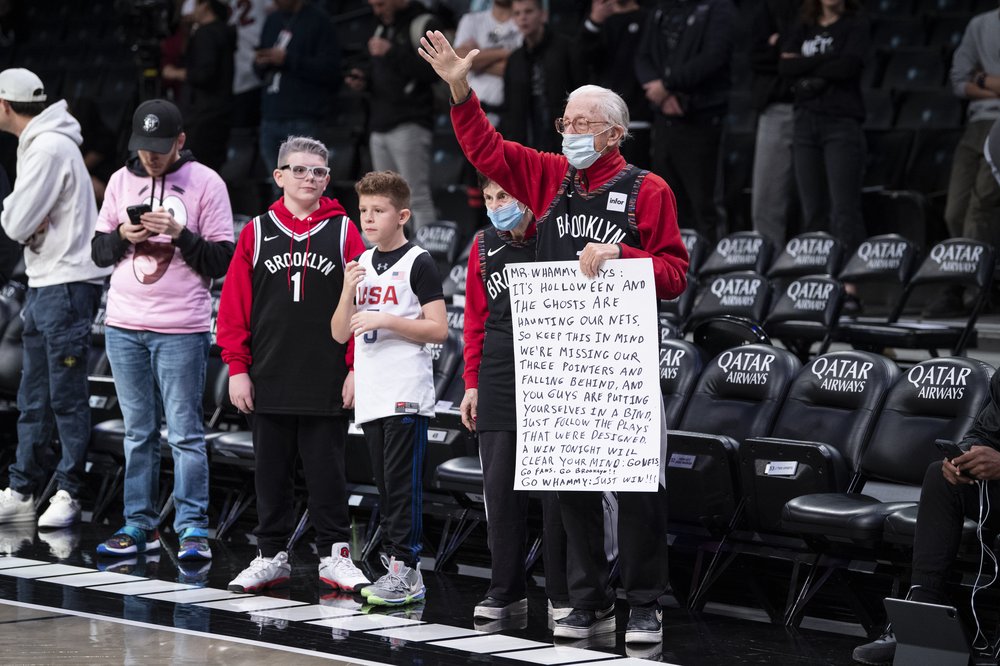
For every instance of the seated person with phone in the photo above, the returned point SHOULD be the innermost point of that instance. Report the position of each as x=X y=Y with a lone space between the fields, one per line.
x=950 y=493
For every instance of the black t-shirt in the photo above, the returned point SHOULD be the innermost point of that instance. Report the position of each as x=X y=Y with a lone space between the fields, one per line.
x=425 y=280
x=835 y=55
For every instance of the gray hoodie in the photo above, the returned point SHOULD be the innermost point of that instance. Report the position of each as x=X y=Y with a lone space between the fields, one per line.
x=52 y=210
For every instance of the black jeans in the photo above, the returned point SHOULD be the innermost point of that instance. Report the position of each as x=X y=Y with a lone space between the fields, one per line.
x=506 y=513
x=943 y=509
x=686 y=155
x=319 y=440
x=642 y=548
x=829 y=159
x=398 y=445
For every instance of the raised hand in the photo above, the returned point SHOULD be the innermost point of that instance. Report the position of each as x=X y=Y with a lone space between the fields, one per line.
x=435 y=49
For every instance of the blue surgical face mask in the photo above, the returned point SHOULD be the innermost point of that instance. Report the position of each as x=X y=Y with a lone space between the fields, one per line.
x=579 y=149
x=506 y=217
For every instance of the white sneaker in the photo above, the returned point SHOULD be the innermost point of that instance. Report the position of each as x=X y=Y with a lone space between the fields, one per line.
x=263 y=573
x=339 y=571
x=63 y=511
x=15 y=507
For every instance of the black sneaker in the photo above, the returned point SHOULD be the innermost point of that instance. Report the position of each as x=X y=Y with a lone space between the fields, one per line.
x=494 y=609
x=882 y=650
x=645 y=625
x=583 y=623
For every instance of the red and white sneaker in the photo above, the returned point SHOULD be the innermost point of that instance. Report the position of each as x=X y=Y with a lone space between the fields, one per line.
x=339 y=571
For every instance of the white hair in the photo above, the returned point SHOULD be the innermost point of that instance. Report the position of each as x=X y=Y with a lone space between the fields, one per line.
x=302 y=144
x=611 y=105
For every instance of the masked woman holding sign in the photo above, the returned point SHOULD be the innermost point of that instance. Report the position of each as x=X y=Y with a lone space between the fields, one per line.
x=489 y=363
x=635 y=210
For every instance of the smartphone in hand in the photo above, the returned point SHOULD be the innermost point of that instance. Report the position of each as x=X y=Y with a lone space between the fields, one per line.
x=135 y=212
x=951 y=450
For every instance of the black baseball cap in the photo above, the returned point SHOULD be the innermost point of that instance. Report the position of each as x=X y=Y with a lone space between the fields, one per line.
x=155 y=126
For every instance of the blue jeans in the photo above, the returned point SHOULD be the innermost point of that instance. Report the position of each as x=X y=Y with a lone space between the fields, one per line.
x=53 y=394
x=148 y=365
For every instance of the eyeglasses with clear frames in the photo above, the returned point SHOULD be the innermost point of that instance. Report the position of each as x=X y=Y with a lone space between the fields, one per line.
x=579 y=125
x=299 y=171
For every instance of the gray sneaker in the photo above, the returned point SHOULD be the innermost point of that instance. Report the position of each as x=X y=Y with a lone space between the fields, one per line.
x=882 y=650
x=400 y=585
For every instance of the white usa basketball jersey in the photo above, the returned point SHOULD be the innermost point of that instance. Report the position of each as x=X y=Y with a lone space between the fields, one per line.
x=393 y=375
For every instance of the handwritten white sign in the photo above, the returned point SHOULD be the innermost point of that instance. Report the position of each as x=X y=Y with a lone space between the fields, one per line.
x=587 y=376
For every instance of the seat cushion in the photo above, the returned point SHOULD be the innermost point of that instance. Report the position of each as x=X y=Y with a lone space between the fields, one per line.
x=236 y=444
x=464 y=473
x=900 y=526
x=851 y=516
x=108 y=437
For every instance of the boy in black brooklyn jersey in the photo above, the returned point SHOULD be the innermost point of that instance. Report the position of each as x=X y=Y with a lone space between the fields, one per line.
x=285 y=371
x=489 y=365
x=393 y=306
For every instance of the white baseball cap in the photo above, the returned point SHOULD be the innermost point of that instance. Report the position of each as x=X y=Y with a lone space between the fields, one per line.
x=21 y=85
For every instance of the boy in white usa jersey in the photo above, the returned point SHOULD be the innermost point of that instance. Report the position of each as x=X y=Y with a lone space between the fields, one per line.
x=392 y=303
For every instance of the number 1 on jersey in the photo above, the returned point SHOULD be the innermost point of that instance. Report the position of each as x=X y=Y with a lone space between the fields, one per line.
x=297 y=287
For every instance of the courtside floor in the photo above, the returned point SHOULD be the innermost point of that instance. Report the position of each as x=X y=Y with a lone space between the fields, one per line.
x=59 y=604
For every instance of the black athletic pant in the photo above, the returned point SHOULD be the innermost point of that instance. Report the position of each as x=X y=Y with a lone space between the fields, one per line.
x=397 y=445
x=642 y=548
x=319 y=440
x=506 y=515
x=943 y=509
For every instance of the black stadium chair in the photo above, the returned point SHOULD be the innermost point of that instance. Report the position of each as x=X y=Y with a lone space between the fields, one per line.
x=897 y=33
x=739 y=251
x=738 y=395
x=902 y=212
x=441 y=240
x=914 y=68
x=930 y=160
x=820 y=434
x=957 y=261
x=806 y=312
x=811 y=253
x=728 y=311
x=935 y=399
x=886 y=261
x=887 y=157
x=929 y=110
x=697 y=248
x=680 y=365
x=880 y=109
x=946 y=31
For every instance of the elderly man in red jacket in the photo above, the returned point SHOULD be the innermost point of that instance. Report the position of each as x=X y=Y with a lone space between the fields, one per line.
x=631 y=213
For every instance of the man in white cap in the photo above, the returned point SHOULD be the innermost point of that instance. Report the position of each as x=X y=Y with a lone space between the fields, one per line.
x=52 y=213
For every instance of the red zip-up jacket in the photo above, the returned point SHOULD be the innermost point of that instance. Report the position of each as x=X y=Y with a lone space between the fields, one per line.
x=533 y=178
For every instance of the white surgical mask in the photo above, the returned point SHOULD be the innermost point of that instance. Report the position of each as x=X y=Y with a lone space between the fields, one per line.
x=579 y=149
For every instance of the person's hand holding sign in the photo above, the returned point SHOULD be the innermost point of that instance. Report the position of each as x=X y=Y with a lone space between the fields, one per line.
x=594 y=255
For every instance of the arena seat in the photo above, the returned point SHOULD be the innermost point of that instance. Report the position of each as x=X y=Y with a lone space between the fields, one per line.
x=737 y=396
x=897 y=32
x=441 y=240
x=820 y=434
x=680 y=366
x=697 y=248
x=728 y=311
x=935 y=399
x=923 y=109
x=453 y=283
x=947 y=30
x=880 y=111
x=888 y=153
x=739 y=251
x=929 y=167
x=675 y=312
x=957 y=261
x=810 y=253
x=807 y=311
x=915 y=69
x=885 y=262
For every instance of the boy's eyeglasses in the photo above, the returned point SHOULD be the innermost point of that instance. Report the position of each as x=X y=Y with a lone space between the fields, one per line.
x=299 y=171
